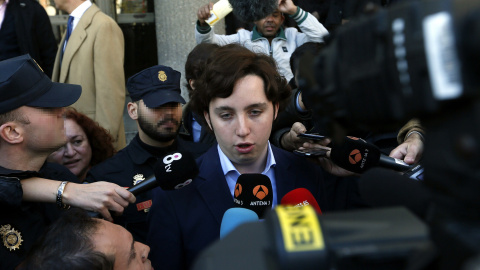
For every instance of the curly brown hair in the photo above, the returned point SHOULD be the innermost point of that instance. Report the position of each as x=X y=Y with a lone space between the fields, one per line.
x=229 y=64
x=99 y=138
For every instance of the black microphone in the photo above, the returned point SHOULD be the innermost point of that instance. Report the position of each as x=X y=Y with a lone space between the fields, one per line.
x=356 y=155
x=253 y=10
x=254 y=192
x=174 y=171
x=384 y=188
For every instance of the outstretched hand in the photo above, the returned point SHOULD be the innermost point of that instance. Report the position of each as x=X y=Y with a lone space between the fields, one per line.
x=98 y=197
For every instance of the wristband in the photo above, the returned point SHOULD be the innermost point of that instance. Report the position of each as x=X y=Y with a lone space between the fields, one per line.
x=416 y=132
x=60 y=189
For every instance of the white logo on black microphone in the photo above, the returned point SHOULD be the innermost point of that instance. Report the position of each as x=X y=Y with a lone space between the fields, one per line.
x=167 y=160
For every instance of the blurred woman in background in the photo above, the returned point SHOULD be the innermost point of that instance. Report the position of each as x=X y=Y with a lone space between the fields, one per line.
x=87 y=145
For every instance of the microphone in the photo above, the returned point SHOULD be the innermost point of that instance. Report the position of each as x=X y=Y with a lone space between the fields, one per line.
x=254 y=192
x=356 y=155
x=253 y=10
x=234 y=217
x=174 y=171
x=300 y=197
x=383 y=188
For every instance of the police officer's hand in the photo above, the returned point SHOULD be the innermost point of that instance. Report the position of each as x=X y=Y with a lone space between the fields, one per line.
x=203 y=13
x=98 y=197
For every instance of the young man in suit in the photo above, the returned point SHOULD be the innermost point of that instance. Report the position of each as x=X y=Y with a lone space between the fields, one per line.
x=239 y=96
x=91 y=54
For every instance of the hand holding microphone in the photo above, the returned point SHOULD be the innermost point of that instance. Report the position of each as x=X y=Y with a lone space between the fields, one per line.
x=356 y=155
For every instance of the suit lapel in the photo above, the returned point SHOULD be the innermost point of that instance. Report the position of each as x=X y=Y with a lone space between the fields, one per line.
x=284 y=176
x=76 y=39
x=56 y=66
x=214 y=189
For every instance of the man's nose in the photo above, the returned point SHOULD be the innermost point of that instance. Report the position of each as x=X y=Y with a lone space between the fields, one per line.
x=243 y=126
x=145 y=251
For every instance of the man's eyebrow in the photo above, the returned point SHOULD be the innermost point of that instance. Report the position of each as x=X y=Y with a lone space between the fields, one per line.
x=261 y=105
x=132 y=252
x=222 y=108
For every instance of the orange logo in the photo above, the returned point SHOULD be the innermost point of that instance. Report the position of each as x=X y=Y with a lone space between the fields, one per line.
x=260 y=192
x=355 y=156
x=353 y=138
x=238 y=190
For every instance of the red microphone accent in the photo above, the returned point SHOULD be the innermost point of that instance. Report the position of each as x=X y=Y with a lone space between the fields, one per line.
x=300 y=197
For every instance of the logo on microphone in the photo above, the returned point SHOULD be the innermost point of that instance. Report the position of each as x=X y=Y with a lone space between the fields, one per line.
x=181 y=185
x=167 y=160
x=238 y=190
x=260 y=192
x=354 y=157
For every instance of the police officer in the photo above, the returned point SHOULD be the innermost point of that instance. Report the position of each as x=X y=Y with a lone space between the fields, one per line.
x=31 y=128
x=156 y=107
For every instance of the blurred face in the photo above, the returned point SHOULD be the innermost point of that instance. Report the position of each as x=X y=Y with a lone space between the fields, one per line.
x=44 y=131
x=158 y=125
x=114 y=240
x=242 y=124
x=76 y=154
x=269 y=25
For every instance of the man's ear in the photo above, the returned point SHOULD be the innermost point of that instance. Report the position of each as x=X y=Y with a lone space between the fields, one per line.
x=207 y=119
x=11 y=132
x=190 y=82
x=276 y=106
x=132 y=108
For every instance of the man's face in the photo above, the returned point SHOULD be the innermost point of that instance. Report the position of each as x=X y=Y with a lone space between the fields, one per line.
x=60 y=4
x=242 y=123
x=269 y=25
x=160 y=124
x=45 y=130
x=114 y=240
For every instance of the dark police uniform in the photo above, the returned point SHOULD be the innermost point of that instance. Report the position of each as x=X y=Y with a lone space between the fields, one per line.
x=130 y=166
x=21 y=223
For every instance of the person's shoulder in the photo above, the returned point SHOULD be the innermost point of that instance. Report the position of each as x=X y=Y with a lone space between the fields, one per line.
x=29 y=6
x=101 y=19
x=116 y=163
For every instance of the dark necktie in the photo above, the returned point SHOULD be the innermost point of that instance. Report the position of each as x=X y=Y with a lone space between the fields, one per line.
x=69 y=30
